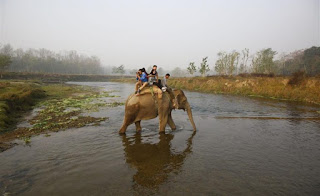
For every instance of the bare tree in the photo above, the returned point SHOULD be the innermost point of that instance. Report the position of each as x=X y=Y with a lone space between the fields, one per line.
x=118 y=70
x=244 y=60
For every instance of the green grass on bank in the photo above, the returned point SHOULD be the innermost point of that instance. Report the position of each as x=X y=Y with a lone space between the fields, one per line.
x=61 y=106
x=17 y=97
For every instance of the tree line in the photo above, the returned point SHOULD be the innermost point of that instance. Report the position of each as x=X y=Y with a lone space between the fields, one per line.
x=67 y=62
x=46 y=61
x=262 y=62
x=227 y=63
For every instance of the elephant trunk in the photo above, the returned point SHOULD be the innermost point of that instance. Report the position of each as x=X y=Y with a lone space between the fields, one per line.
x=188 y=108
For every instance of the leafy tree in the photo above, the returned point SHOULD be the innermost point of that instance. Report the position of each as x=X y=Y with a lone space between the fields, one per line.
x=204 y=67
x=233 y=62
x=192 y=68
x=263 y=61
x=302 y=60
x=5 y=61
x=291 y=63
x=43 y=60
x=280 y=63
x=6 y=50
x=311 y=58
x=223 y=63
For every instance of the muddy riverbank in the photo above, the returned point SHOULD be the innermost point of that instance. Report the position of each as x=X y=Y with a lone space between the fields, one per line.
x=17 y=97
x=56 y=107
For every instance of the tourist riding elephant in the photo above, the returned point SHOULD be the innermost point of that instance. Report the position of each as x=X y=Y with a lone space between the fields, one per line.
x=152 y=103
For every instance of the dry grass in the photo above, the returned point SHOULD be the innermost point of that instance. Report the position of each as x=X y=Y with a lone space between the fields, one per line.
x=270 y=87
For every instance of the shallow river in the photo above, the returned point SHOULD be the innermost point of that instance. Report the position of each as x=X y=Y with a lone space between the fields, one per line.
x=243 y=146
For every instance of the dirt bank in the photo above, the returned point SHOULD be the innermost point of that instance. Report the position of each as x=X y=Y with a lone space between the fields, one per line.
x=60 y=107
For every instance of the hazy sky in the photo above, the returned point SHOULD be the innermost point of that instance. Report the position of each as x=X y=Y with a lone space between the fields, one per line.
x=168 y=33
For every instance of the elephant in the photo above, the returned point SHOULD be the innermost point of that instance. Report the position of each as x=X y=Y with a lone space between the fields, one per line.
x=152 y=103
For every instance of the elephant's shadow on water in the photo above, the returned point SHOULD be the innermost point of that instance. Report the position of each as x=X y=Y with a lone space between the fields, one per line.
x=154 y=161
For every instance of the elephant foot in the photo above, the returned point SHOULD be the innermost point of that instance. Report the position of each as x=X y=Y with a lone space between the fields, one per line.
x=138 y=126
x=122 y=131
x=162 y=132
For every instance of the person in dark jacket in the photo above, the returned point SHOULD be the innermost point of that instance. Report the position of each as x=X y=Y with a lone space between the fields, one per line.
x=154 y=77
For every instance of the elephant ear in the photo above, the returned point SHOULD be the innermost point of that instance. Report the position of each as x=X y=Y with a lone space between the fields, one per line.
x=181 y=100
x=177 y=98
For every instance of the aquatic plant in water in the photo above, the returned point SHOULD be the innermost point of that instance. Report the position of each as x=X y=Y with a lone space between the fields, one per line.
x=61 y=114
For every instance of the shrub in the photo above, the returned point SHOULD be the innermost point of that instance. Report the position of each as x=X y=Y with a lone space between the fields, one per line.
x=297 y=78
x=246 y=75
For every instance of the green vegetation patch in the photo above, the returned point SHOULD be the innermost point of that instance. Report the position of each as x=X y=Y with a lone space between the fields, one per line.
x=61 y=107
x=15 y=98
x=61 y=114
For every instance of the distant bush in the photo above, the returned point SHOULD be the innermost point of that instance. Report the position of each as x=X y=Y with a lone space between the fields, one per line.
x=297 y=78
x=219 y=76
x=270 y=75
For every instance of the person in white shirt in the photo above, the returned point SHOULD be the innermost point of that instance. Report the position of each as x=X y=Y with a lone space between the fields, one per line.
x=165 y=88
x=164 y=81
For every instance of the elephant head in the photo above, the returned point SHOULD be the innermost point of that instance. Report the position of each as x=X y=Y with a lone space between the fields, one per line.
x=182 y=103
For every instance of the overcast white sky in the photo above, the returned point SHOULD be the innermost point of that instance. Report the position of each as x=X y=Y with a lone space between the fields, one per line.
x=168 y=33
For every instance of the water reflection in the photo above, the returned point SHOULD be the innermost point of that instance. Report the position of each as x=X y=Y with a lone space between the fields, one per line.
x=154 y=161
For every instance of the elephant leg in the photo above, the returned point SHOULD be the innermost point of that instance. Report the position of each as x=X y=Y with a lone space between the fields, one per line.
x=171 y=123
x=164 y=112
x=126 y=123
x=138 y=126
x=162 y=124
x=123 y=127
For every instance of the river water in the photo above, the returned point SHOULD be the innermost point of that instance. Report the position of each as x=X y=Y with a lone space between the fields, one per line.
x=243 y=146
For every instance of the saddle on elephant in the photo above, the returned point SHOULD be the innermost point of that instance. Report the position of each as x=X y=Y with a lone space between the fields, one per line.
x=156 y=91
x=152 y=90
